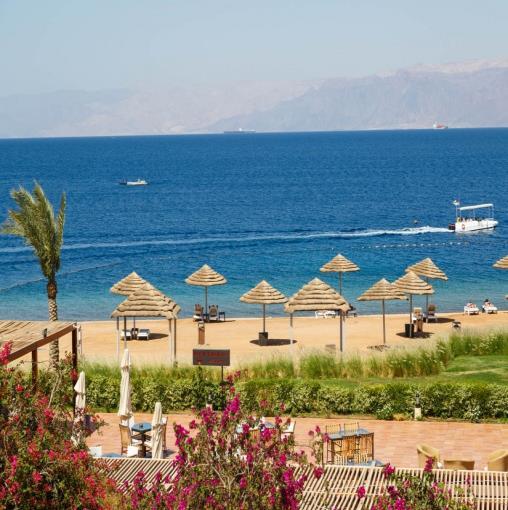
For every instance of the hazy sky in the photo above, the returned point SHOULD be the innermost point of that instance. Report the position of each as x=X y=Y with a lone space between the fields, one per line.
x=49 y=45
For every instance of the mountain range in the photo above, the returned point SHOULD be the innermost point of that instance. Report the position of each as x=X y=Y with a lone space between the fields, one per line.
x=466 y=94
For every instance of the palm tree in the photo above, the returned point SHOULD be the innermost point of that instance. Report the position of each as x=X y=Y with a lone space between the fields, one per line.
x=35 y=222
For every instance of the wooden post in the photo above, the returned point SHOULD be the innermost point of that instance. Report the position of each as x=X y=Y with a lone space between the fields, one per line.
x=341 y=347
x=74 y=365
x=35 y=368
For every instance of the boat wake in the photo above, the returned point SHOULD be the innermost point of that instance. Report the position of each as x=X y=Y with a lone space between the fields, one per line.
x=289 y=237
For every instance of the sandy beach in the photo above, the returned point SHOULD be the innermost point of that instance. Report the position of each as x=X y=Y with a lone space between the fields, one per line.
x=99 y=338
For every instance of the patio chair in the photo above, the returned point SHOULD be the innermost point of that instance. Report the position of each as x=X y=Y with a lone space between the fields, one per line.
x=289 y=429
x=426 y=452
x=198 y=312
x=459 y=465
x=417 y=313
x=498 y=461
x=213 y=313
x=431 y=313
x=127 y=439
x=351 y=428
x=126 y=334
x=144 y=334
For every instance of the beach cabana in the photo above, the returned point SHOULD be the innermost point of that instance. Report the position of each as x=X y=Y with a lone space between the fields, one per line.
x=502 y=263
x=430 y=271
x=382 y=291
x=412 y=285
x=339 y=264
x=264 y=294
x=206 y=277
x=147 y=301
x=317 y=296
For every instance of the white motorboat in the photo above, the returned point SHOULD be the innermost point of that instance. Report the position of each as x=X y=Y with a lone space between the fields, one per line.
x=470 y=218
x=139 y=182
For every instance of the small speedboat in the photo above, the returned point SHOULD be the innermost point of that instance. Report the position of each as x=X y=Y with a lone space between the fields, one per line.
x=139 y=182
x=470 y=218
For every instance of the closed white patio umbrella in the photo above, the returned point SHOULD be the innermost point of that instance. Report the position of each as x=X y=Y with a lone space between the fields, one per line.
x=125 y=407
x=157 y=432
x=79 y=407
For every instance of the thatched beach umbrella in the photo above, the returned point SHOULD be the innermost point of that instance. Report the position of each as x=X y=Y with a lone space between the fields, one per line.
x=147 y=301
x=412 y=284
x=382 y=291
x=502 y=263
x=314 y=296
x=128 y=285
x=125 y=287
x=125 y=406
x=264 y=294
x=430 y=271
x=206 y=277
x=339 y=264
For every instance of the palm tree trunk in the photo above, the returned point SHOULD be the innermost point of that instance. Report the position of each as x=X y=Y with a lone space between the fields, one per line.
x=54 y=349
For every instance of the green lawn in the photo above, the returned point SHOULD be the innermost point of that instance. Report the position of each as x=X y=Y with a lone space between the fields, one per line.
x=487 y=369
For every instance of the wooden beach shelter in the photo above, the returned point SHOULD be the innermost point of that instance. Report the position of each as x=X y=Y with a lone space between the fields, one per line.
x=430 y=271
x=147 y=301
x=339 y=264
x=412 y=284
x=264 y=294
x=27 y=337
x=502 y=263
x=125 y=287
x=206 y=277
x=317 y=296
x=382 y=291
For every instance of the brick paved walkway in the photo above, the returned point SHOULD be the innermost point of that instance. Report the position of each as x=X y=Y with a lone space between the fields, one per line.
x=395 y=442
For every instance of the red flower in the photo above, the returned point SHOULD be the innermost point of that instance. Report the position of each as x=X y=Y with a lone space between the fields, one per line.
x=360 y=492
x=36 y=477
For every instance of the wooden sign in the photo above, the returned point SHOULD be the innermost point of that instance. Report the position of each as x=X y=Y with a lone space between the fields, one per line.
x=211 y=357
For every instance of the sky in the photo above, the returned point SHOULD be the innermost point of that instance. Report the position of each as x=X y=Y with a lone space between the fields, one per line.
x=105 y=44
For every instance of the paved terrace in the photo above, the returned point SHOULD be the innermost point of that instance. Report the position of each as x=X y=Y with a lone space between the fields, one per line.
x=394 y=442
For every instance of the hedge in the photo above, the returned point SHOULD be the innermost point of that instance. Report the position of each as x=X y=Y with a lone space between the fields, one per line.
x=468 y=401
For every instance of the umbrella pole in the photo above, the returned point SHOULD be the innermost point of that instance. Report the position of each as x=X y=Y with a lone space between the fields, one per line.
x=264 y=318
x=427 y=301
x=206 y=300
x=291 y=330
x=384 y=323
x=169 y=343
x=117 y=340
x=410 y=309
x=340 y=283
x=125 y=332
x=175 y=363
x=341 y=339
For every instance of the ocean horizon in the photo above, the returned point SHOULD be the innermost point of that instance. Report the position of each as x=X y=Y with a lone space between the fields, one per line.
x=273 y=206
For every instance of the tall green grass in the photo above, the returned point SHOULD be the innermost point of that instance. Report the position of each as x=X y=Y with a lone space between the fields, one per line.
x=395 y=363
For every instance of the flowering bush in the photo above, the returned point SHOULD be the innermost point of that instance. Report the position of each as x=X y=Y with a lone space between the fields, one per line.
x=406 y=492
x=41 y=467
x=228 y=461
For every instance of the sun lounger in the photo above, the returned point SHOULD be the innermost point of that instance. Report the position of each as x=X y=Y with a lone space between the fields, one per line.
x=198 y=313
x=127 y=334
x=213 y=313
x=144 y=334
x=431 y=313
x=489 y=308
x=471 y=310
x=289 y=429
x=325 y=314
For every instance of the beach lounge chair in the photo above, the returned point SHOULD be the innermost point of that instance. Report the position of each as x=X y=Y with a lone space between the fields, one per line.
x=325 y=314
x=431 y=313
x=127 y=439
x=126 y=334
x=289 y=429
x=489 y=308
x=213 y=313
x=426 y=452
x=471 y=309
x=144 y=334
x=498 y=461
x=198 y=312
x=417 y=313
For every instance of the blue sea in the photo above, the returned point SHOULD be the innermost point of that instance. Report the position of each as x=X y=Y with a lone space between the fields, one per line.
x=257 y=206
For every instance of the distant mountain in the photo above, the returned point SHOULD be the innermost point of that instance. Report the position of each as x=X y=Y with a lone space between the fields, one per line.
x=459 y=96
x=464 y=94
x=127 y=112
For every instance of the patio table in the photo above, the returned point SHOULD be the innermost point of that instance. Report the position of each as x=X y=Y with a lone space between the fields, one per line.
x=142 y=429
